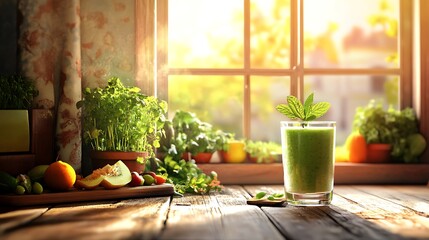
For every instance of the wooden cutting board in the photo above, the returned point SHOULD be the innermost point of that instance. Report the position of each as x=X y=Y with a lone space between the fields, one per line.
x=87 y=195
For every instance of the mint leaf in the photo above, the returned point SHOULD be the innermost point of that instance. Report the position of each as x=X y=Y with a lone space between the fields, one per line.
x=260 y=195
x=308 y=106
x=285 y=110
x=307 y=112
x=319 y=109
x=296 y=107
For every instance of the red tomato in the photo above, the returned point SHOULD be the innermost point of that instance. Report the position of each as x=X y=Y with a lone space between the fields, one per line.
x=160 y=179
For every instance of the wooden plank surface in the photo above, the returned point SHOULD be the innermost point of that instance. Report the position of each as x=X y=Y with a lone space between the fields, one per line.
x=357 y=212
x=141 y=218
x=86 y=195
x=394 y=216
x=218 y=216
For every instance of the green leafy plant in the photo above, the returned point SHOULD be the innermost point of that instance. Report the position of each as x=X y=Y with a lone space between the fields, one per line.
x=119 y=118
x=192 y=135
x=17 y=92
x=308 y=111
x=396 y=127
x=264 y=152
x=186 y=176
x=222 y=139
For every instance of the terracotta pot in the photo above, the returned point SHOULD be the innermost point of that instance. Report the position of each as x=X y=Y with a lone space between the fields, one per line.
x=186 y=156
x=102 y=158
x=203 y=157
x=378 y=152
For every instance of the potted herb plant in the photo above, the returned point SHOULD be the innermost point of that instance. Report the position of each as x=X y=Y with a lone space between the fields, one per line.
x=16 y=99
x=392 y=132
x=120 y=122
x=263 y=152
x=192 y=138
x=373 y=123
x=230 y=149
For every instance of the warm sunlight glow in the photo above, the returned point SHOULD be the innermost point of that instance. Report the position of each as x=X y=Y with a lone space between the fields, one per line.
x=337 y=34
x=202 y=30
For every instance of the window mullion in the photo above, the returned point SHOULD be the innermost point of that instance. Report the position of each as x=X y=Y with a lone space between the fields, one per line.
x=405 y=33
x=294 y=48
x=162 y=48
x=246 y=76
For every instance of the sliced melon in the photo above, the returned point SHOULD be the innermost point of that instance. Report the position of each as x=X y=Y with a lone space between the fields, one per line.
x=109 y=177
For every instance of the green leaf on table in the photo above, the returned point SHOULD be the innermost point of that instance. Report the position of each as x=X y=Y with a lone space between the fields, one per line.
x=260 y=195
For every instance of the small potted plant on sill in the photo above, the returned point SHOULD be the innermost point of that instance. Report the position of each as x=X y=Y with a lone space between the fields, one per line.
x=16 y=99
x=230 y=149
x=263 y=152
x=391 y=135
x=192 y=138
x=121 y=123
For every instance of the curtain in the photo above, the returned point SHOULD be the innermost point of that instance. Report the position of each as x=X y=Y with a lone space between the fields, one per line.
x=66 y=46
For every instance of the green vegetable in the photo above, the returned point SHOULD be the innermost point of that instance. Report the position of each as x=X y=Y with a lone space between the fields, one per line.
x=24 y=181
x=186 y=176
x=8 y=183
x=307 y=112
x=37 y=188
x=19 y=190
x=148 y=179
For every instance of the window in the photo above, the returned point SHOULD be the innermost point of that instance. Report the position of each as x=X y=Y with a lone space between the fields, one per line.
x=232 y=61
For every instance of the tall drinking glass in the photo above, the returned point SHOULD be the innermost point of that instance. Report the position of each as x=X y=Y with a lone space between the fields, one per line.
x=308 y=150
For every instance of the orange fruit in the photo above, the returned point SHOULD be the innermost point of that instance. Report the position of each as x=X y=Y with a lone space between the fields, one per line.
x=59 y=176
x=356 y=147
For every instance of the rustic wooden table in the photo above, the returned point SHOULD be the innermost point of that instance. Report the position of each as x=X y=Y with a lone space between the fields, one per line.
x=357 y=212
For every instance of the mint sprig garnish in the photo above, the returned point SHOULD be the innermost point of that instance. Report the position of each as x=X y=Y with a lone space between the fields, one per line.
x=294 y=109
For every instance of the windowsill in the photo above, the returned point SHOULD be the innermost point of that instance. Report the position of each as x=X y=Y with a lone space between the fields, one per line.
x=345 y=173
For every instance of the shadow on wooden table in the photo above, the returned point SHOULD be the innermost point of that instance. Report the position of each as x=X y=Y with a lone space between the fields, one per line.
x=324 y=223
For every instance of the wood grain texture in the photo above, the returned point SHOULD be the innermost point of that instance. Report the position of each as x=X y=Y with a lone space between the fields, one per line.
x=218 y=216
x=393 y=216
x=356 y=212
x=129 y=219
x=87 y=195
x=19 y=217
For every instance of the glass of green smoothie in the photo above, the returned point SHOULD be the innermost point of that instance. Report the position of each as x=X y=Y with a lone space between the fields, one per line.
x=308 y=152
x=308 y=161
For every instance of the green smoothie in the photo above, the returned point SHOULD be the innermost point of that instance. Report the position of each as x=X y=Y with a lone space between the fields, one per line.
x=308 y=159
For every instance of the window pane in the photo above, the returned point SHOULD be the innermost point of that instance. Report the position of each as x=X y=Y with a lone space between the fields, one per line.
x=205 y=33
x=345 y=99
x=270 y=34
x=351 y=34
x=217 y=100
x=266 y=93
